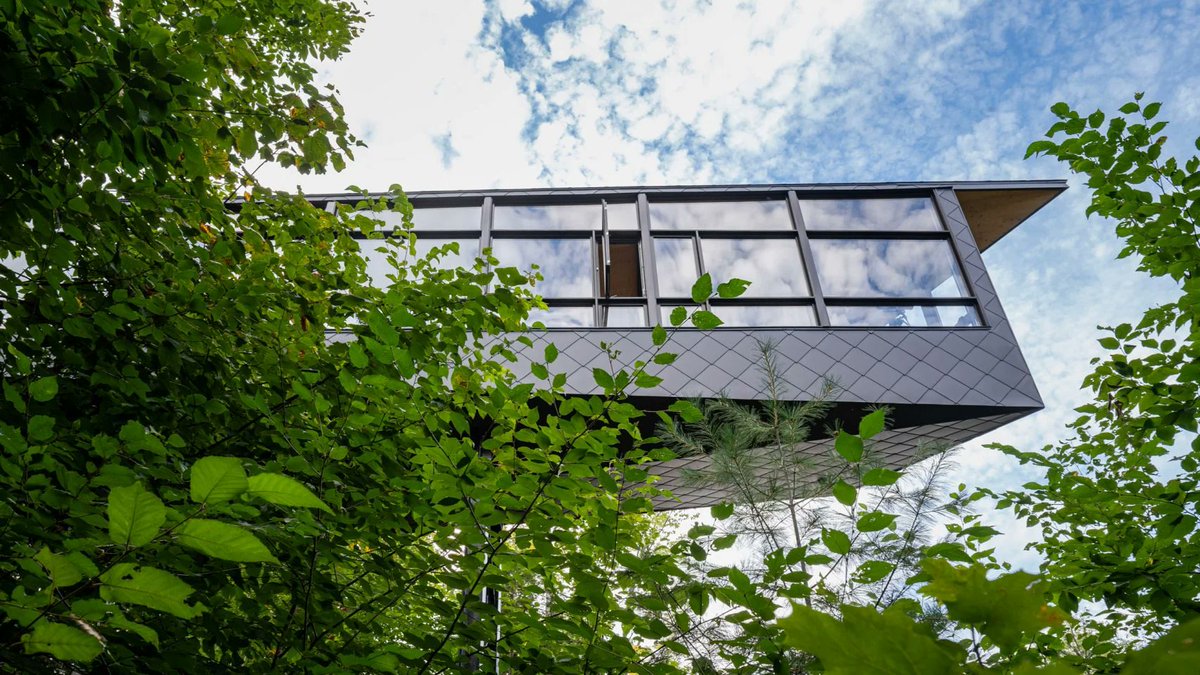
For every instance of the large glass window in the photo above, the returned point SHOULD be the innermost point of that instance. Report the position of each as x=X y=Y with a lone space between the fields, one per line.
x=772 y=266
x=895 y=268
x=748 y=316
x=746 y=215
x=378 y=268
x=905 y=214
x=565 y=264
x=442 y=218
x=945 y=316
x=675 y=260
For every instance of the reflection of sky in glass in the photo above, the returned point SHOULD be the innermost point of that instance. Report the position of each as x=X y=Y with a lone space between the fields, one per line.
x=378 y=268
x=765 y=315
x=771 y=265
x=757 y=215
x=565 y=217
x=563 y=317
x=870 y=214
x=448 y=218
x=676 y=263
x=948 y=316
x=888 y=268
x=621 y=316
x=565 y=264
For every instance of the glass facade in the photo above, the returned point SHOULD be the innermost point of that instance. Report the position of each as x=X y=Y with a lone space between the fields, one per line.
x=862 y=262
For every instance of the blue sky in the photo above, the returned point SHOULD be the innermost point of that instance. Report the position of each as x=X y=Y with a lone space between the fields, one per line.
x=517 y=93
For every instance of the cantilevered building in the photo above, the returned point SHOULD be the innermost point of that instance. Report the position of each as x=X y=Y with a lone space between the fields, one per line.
x=880 y=287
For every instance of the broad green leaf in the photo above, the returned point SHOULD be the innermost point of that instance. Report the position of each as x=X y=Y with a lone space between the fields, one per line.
x=706 y=320
x=44 y=389
x=880 y=477
x=62 y=571
x=62 y=642
x=686 y=410
x=647 y=381
x=217 y=479
x=223 y=541
x=875 y=521
x=844 y=492
x=41 y=428
x=665 y=358
x=703 y=288
x=678 y=316
x=849 y=446
x=866 y=641
x=279 y=489
x=873 y=570
x=722 y=511
x=551 y=353
x=1008 y=609
x=836 y=541
x=604 y=379
x=658 y=335
x=734 y=288
x=724 y=542
x=872 y=424
x=148 y=587
x=134 y=515
x=140 y=629
x=1176 y=653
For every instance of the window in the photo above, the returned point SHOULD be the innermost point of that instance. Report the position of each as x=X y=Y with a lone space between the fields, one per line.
x=945 y=316
x=378 y=268
x=906 y=214
x=890 y=268
x=766 y=214
x=589 y=256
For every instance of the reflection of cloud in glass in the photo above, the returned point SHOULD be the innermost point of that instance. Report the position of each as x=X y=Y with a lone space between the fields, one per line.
x=565 y=264
x=676 y=263
x=888 y=268
x=870 y=214
x=447 y=218
x=765 y=315
x=757 y=215
x=948 y=316
x=622 y=316
x=564 y=217
x=468 y=250
x=771 y=265
x=563 y=317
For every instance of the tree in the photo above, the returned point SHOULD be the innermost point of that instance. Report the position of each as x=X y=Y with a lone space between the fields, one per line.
x=1118 y=504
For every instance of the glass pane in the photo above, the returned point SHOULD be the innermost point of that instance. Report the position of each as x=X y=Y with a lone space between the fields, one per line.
x=947 y=316
x=676 y=263
x=378 y=268
x=565 y=264
x=449 y=218
x=771 y=265
x=765 y=315
x=870 y=214
x=626 y=270
x=756 y=215
x=887 y=268
x=564 y=217
x=563 y=317
x=468 y=250
x=624 y=316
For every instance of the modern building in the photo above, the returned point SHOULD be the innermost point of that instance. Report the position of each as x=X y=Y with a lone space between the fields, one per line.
x=880 y=287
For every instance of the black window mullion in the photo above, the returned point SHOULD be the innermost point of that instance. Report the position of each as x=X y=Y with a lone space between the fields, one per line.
x=649 y=270
x=809 y=262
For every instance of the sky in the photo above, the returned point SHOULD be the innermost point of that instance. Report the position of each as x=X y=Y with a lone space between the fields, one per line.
x=465 y=94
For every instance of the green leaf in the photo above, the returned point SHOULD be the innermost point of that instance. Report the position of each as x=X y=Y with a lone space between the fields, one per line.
x=148 y=587
x=866 y=641
x=703 y=288
x=844 y=492
x=665 y=358
x=551 y=353
x=44 y=389
x=1060 y=108
x=134 y=515
x=217 y=479
x=140 y=629
x=873 y=570
x=223 y=541
x=1176 y=653
x=706 y=320
x=875 y=521
x=1129 y=108
x=881 y=476
x=1151 y=110
x=62 y=571
x=724 y=542
x=678 y=316
x=41 y=428
x=658 y=336
x=229 y=24
x=733 y=288
x=722 y=511
x=647 y=381
x=686 y=410
x=872 y=424
x=604 y=379
x=1007 y=609
x=279 y=489
x=836 y=541
x=62 y=642
x=849 y=446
